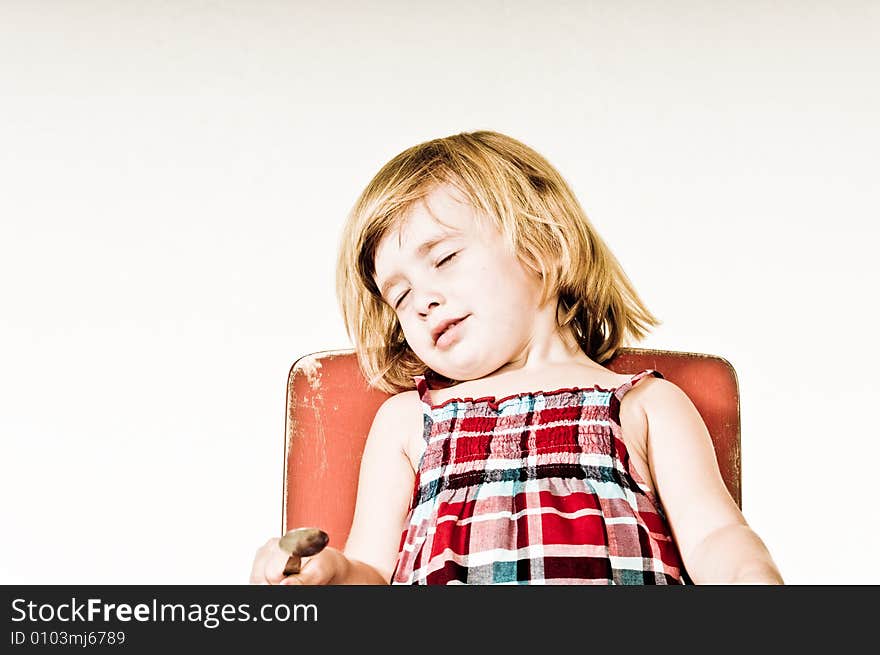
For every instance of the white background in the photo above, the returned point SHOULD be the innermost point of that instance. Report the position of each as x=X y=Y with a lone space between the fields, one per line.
x=174 y=177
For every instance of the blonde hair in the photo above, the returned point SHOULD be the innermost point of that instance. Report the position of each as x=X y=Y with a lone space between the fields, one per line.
x=523 y=196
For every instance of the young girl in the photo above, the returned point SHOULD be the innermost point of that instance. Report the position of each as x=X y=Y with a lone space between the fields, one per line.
x=477 y=292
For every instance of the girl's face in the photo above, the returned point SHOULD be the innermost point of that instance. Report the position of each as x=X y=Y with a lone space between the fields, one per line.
x=438 y=267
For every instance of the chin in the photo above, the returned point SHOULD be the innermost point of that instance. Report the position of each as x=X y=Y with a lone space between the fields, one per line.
x=461 y=374
x=443 y=371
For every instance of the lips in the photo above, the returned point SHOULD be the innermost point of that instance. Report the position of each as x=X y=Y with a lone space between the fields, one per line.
x=443 y=326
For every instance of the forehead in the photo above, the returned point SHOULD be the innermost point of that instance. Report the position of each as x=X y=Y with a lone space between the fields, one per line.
x=442 y=213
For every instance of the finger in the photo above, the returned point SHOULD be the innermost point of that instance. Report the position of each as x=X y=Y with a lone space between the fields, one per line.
x=256 y=576
x=303 y=576
x=297 y=578
x=316 y=570
x=268 y=564
x=273 y=564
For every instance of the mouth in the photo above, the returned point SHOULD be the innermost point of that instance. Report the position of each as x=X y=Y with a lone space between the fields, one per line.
x=446 y=327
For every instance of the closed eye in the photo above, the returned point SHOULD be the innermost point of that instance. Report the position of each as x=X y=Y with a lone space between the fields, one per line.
x=446 y=259
x=438 y=265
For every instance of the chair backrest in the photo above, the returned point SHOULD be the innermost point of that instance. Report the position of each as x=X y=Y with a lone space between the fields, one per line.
x=330 y=410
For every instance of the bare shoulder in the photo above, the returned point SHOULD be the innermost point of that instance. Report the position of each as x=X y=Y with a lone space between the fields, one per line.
x=666 y=414
x=399 y=409
x=400 y=403
x=399 y=419
x=679 y=447
x=639 y=420
x=660 y=398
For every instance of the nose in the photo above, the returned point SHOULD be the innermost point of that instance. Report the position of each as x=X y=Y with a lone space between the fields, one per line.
x=426 y=301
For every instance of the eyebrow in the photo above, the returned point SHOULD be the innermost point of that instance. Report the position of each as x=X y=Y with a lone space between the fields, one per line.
x=420 y=251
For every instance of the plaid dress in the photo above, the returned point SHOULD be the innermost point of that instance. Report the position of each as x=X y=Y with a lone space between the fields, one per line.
x=534 y=488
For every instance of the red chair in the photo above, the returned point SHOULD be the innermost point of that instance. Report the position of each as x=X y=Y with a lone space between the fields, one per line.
x=330 y=410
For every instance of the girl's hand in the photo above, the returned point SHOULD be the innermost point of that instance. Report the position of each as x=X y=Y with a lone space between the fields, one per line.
x=329 y=566
x=326 y=567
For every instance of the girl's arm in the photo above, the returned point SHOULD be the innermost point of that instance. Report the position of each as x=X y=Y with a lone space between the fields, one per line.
x=384 y=486
x=715 y=541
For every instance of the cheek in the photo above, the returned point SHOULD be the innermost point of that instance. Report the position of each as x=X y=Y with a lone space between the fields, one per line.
x=504 y=284
x=410 y=331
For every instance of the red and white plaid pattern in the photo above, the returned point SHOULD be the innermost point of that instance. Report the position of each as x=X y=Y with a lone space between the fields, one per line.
x=534 y=488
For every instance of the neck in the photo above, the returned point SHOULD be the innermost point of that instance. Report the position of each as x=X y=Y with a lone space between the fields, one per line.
x=550 y=346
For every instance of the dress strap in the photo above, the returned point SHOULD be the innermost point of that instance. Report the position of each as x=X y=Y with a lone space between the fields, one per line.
x=620 y=392
x=622 y=389
x=422 y=387
x=427 y=419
